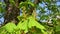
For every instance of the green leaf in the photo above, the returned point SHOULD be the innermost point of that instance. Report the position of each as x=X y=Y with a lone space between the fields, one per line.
x=10 y=27
x=22 y=4
x=3 y=32
x=26 y=4
x=33 y=22
x=23 y=26
x=1 y=29
x=18 y=32
x=32 y=4
x=44 y=32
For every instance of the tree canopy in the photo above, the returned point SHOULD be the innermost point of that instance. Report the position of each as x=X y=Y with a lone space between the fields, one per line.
x=30 y=17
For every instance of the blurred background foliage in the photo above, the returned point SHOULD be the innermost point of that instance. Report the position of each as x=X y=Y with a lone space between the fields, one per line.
x=29 y=17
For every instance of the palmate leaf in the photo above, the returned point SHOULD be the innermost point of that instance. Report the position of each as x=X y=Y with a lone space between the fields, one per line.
x=19 y=26
x=23 y=26
x=33 y=22
x=10 y=27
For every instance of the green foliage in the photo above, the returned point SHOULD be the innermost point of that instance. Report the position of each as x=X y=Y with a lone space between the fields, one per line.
x=10 y=27
x=26 y=4
x=58 y=28
x=30 y=3
x=12 y=2
x=1 y=7
x=24 y=25
x=32 y=22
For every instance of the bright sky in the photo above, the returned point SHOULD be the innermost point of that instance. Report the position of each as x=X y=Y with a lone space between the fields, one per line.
x=58 y=3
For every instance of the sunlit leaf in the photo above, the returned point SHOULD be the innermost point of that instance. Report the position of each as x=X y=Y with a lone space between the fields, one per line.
x=10 y=27
x=23 y=26
x=33 y=22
